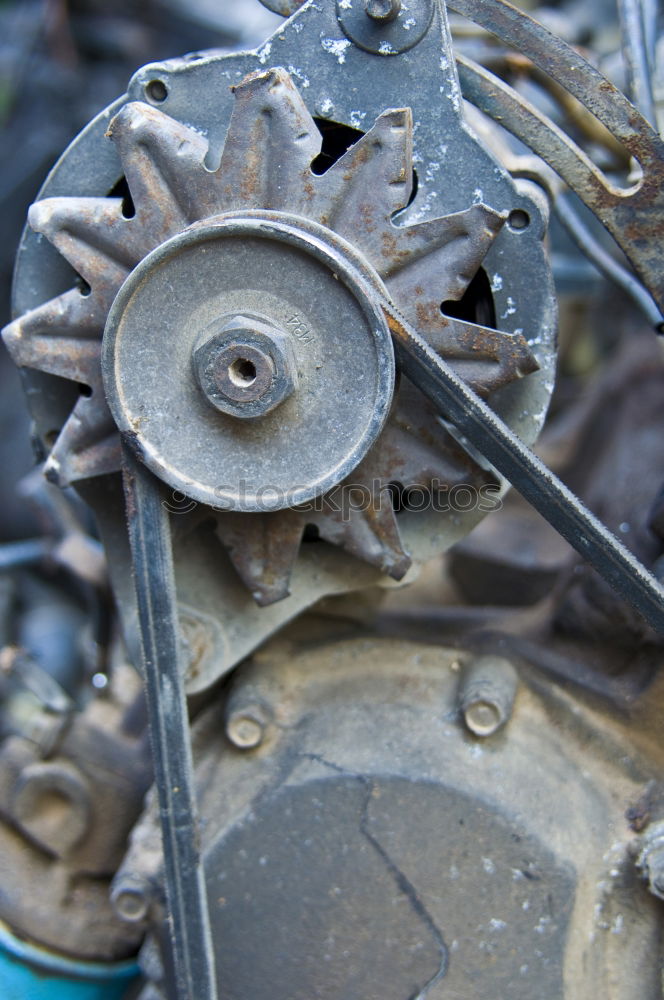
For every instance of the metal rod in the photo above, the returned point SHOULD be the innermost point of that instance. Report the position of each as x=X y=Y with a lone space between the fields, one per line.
x=635 y=57
x=604 y=262
x=150 y=539
x=524 y=470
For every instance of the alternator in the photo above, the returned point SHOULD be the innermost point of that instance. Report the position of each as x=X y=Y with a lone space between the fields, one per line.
x=259 y=212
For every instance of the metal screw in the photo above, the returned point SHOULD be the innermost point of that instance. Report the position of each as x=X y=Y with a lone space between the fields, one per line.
x=131 y=899
x=382 y=10
x=487 y=694
x=245 y=727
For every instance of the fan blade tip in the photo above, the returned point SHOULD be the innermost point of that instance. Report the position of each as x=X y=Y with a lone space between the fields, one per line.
x=54 y=473
x=270 y=595
x=260 y=78
x=398 y=570
x=41 y=215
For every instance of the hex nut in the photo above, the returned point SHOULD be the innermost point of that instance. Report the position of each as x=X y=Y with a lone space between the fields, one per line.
x=245 y=366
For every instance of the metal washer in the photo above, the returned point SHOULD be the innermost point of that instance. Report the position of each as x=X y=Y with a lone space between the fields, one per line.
x=390 y=38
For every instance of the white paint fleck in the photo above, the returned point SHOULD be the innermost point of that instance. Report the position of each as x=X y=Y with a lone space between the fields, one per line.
x=523 y=970
x=357 y=117
x=542 y=924
x=497 y=925
x=496 y=283
x=264 y=53
x=618 y=924
x=478 y=196
x=326 y=107
x=409 y=23
x=525 y=905
x=425 y=207
x=488 y=866
x=511 y=308
x=386 y=49
x=304 y=80
x=336 y=47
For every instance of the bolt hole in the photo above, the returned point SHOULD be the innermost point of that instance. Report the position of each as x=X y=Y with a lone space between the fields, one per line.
x=85 y=390
x=518 y=220
x=157 y=91
x=121 y=190
x=242 y=372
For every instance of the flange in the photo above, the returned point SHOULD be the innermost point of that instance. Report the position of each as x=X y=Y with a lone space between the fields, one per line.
x=315 y=370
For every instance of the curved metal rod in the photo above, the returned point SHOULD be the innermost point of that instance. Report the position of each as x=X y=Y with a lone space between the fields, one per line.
x=577 y=230
x=564 y=64
x=635 y=217
x=636 y=58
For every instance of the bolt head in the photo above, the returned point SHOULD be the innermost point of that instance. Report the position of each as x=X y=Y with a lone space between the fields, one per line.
x=382 y=10
x=245 y=727
x=483 y=717
x=245 y=366
x=131 y=901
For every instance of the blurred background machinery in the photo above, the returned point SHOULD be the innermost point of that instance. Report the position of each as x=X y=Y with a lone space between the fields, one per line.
x=425 y=755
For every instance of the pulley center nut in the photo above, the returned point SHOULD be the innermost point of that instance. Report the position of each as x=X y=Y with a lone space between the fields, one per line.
x=245 y=365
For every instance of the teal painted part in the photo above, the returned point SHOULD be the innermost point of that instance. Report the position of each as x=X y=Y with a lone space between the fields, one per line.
x=31 y=973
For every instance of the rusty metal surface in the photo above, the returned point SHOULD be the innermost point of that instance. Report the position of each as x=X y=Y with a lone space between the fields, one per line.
x=263 y=167
x=194 y=96
x=72 y=784
x=632 y=215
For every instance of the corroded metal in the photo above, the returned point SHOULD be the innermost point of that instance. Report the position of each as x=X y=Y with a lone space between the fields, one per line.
x=633 y=215
x=265 y=164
